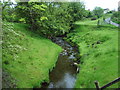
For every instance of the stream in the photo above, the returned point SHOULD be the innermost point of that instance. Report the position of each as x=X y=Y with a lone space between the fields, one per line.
x=64 y=73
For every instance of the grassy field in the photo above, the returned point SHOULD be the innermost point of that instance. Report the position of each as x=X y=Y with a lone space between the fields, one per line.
x=94 y=22
x=88 y=22
x=27 y=56
x=99 y=50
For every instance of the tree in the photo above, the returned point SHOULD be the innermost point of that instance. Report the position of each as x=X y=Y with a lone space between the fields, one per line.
x=76 y=10
x=31 y=12
x=119 y=8
x=50 y=18
x=88 y=14
x=98 y=11
x=8 y=11
x=116 y=17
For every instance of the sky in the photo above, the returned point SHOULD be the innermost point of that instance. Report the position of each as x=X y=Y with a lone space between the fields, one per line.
x=111 y=4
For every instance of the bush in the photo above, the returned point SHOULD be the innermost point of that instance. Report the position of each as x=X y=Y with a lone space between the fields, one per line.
x=116 y=17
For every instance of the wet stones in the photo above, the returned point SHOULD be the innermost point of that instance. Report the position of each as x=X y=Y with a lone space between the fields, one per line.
x=75 y=64
x=44 y=83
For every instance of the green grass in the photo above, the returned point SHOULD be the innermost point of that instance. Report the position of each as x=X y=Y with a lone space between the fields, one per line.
x=27 y=56
x=87 y=22
x=107 y=15
x=94 y=22
x=99 y=62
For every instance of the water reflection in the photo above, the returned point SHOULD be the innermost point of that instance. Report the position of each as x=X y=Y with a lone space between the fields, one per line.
x=64 y=73
x=67 y=81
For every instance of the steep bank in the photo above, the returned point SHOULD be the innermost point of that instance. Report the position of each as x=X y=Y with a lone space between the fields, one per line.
x=99 y=50
x=27 y=56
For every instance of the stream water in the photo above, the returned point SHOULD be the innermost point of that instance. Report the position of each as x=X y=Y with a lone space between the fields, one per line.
x=64 y=73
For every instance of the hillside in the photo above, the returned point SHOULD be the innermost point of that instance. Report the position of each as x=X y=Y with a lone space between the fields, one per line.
x=98 y=48
x=27 y=57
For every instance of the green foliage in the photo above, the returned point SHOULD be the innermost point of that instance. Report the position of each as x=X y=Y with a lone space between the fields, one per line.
x=98 y=11
x=116 y=17
x=27 y=56
x=58 y=20
x=76 y=10
x=43 y=18
x=88 y=14
x=22 y=20
x=50 y=18
x=8 y=12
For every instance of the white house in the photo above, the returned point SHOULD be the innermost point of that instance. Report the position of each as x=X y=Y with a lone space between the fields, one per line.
x=106 y=10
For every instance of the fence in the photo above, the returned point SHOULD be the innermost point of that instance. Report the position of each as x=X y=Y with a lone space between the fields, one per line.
x=107 y=85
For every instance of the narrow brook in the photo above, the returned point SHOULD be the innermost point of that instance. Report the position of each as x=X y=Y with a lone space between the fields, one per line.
x=64 y=73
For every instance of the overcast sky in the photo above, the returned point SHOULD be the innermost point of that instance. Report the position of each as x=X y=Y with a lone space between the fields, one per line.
x=111 y=4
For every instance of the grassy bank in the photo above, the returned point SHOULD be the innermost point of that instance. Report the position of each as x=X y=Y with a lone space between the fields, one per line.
x=99 y=50
x=27 y=56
